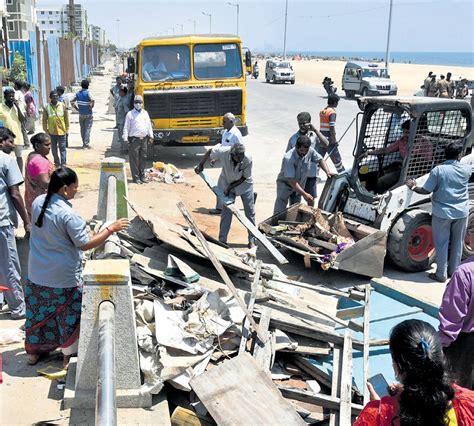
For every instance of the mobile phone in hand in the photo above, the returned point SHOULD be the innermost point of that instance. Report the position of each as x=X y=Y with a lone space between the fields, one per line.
x=380 y=385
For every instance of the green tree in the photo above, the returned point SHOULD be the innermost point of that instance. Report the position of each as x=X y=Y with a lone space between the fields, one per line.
x=17 y=71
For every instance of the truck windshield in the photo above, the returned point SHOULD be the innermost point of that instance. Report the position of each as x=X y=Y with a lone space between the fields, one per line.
x=165 y=63
x=283 y=65
x=219 y=60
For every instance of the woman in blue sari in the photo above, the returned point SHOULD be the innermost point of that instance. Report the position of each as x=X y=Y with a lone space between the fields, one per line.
x=53 y=291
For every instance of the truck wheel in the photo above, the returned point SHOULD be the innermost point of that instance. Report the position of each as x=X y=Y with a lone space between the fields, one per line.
x=410 y=242
x=348 y=94
x=273 y=80
x=267 y=79
x=292 y=81
x=467 y=250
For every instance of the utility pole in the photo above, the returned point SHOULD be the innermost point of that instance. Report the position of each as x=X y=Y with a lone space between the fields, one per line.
x=387 y=52
x=182 y=28
x=284 y=37
x=194 y=22
x=238 y=10
x=118 y=32
x=210 y=21
x=72 y=18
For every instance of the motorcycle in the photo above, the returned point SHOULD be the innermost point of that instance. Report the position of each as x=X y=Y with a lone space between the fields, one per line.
x=255 y=72
x=328 y=85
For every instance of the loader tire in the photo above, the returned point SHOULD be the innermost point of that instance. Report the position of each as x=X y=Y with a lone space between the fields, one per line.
x=410 y=242
x=467 y=250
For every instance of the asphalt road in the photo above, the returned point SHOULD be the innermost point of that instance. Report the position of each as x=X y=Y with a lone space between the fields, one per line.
x=271 y=118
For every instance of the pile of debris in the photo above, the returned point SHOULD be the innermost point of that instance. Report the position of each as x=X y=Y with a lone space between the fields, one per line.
x=228 y=336
x=163 y=172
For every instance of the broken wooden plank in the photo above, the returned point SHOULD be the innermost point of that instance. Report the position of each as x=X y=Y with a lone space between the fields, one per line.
x=345 y=411
x=257 y=234
x=217 y=264
x=335 y=383
x=366 y=338
x=238 y=392
x=263 y=351
x=348 y=324
x=307 y=346
x=253 y=295
x=320 y=399
x=215 y=189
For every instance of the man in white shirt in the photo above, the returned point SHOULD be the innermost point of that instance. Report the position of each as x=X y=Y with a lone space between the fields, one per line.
x=231 y=133
x=137 y=131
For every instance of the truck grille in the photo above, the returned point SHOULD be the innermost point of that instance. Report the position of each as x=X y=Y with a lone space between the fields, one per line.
x=207 y=103
x=383 y=87
x=285 y=74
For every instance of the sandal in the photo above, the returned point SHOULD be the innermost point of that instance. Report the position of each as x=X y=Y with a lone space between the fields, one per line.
x=434 y=277
x=33 y=359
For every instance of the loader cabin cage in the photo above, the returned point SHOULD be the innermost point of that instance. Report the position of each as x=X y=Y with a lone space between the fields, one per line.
x=411 y=152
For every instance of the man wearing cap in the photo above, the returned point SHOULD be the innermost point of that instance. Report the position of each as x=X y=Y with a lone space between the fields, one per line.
x=137 y=131
x=235 y=180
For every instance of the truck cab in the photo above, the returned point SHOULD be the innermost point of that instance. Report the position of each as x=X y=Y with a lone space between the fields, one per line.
x=367 y=79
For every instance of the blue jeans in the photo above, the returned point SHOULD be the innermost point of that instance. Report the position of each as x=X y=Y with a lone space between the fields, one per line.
x=58 y=143
x=10 y=272
x=85 y=122
x=226 y=215
x=448 y=236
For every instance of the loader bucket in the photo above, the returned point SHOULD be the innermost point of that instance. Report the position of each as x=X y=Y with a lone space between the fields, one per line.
x=364 y=257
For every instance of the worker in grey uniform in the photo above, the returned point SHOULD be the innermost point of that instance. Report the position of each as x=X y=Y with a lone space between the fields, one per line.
x=235 y=180
x=316 y=138
x=293 y=174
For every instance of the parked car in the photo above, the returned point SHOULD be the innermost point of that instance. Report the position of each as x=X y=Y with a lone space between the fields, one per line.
x=367 y=79
x=279 y=71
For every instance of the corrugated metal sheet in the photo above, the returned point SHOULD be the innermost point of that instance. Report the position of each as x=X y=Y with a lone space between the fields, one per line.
x=33 y=77
x=54 y=61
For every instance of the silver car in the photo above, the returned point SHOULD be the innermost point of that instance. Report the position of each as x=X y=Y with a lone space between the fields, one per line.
x=279 y=71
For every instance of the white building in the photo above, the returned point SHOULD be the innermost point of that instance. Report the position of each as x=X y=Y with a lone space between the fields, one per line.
x=97 y=35
x=21 y=19
x=55 y=20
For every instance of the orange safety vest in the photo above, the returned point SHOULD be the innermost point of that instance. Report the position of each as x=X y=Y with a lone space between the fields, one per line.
x=324 y=118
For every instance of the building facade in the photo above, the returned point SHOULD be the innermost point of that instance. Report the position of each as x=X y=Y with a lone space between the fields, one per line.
x=21 y=18
x=97 y=35
x=55 y=21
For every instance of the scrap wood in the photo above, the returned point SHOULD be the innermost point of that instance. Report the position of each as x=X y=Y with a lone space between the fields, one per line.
x=217 y=264
x=353 y=325
x=238 y=392
x=320 y=399
x=264 y=350
x=335 y=382
x=366 y=339
x=345 y=411
x=253 y=294
x=306 y=346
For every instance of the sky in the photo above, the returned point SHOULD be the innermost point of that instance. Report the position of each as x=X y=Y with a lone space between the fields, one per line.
x=312 y=25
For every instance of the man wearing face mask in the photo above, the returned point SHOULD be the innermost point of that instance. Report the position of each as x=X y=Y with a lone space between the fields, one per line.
x=235 y=180
x=295 y=166
x=307 y=129
x=137 y=132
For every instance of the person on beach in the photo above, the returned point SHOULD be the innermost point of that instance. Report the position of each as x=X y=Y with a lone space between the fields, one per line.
x=327 y=119
x=12 y=118
x=137 y=133
x=451 y=85
x=11 y=204
x=456 y=321
x=432 y=87
x=53 y=290
x=38 y=169
x=235 y=180
x=426 y=83
x=295 y=167
x=56 y=125
x=442 y=86
x=84 y=103
x=307 y=129
x=425 y=395
x=450 y=209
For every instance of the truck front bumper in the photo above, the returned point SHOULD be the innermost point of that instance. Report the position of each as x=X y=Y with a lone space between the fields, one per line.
x=191 y=137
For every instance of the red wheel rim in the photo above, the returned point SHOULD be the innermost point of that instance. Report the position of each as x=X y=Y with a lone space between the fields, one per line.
x=420 y=244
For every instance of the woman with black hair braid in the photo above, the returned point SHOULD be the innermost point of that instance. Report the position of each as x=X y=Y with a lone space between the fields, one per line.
x=425 y=396
x=53 y=290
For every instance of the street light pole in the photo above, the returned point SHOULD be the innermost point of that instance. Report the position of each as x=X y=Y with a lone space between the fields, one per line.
x=194 y=22
x=284 y=37
x=238 y=10
x=118 y=32
x=210 y=21
x=387 y=52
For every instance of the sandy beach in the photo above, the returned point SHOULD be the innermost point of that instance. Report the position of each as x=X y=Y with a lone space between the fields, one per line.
x=408 y=77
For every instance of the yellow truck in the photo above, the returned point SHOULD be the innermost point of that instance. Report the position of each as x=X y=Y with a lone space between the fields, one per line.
x=188 y=83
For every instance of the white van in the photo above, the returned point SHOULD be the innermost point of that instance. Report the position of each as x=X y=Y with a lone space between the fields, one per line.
x=367 y=79
x=279 y=71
